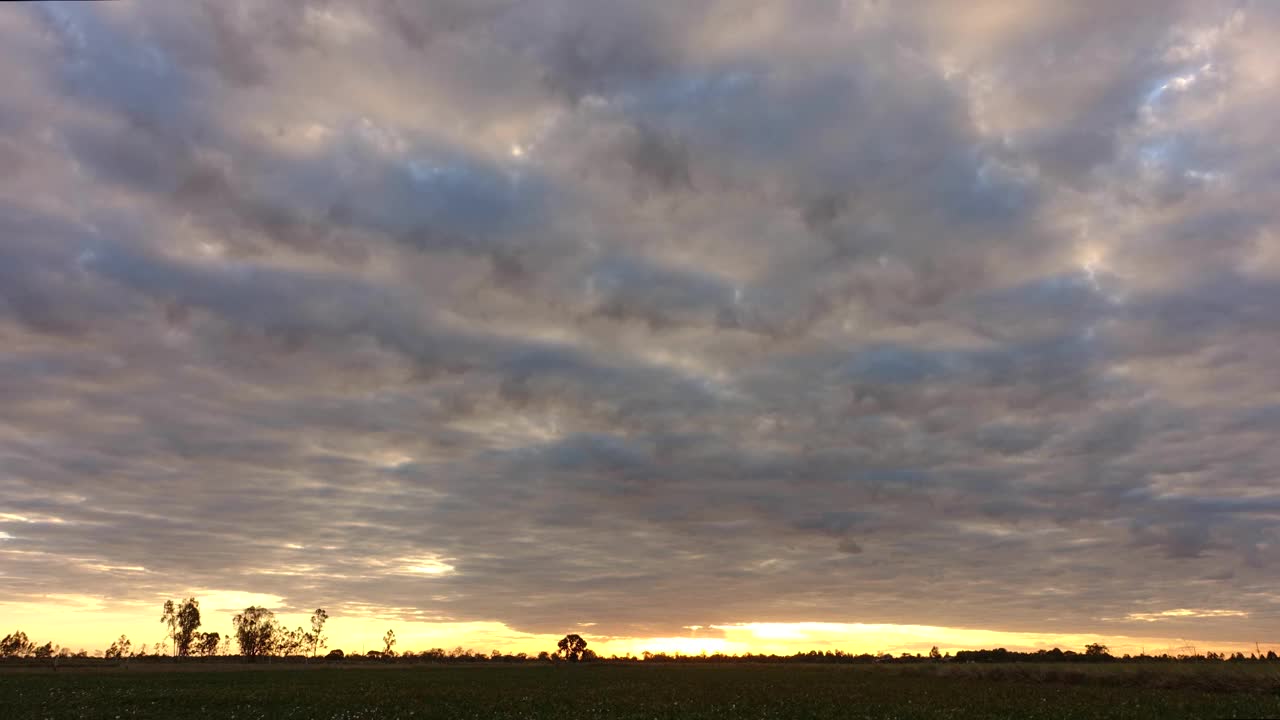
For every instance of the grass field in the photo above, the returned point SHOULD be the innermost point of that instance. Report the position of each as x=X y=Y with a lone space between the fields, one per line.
x=682 y=691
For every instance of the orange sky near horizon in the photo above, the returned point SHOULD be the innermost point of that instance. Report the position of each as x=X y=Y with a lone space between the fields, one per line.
x=78 y=622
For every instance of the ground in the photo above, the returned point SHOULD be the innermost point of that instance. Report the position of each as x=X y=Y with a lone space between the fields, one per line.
x=614 y=691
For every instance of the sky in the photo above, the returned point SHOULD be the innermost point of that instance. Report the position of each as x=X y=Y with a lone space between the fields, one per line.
x=683 y=325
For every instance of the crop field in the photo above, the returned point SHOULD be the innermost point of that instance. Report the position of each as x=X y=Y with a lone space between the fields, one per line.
x=613 y=691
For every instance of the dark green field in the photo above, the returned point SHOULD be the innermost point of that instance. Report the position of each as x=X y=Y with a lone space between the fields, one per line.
x=682 y=691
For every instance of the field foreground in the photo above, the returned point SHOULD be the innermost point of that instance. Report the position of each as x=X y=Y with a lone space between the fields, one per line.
x=675 y=691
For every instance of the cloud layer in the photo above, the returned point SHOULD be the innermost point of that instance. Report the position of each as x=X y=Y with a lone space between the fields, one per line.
x=646 y=314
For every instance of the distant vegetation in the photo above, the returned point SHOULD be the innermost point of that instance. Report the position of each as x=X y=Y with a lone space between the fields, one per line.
x=574 y=681
x=258 y=635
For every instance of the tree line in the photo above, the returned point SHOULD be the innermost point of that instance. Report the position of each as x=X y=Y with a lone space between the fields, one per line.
x=258 y=634
x=1093 y=653
x=255 y=630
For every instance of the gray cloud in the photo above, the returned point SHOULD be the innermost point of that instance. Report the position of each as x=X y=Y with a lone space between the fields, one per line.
x=636 y=315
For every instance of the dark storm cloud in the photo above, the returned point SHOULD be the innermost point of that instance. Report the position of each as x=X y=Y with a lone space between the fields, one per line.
x=809 y=312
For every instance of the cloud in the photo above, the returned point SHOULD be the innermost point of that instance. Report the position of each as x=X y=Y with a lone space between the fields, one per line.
x=1184 y=613
x=646 y=316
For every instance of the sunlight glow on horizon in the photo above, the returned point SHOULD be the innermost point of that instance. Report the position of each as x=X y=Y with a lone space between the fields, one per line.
x=77 y=622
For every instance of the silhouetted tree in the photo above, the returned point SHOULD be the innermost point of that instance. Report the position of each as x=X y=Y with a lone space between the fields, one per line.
x=206 y=644
x=256 y=631
x=170 y=619
x=16 y=645
x=571 y=647
x=934 y=654
x=388 y=641
x=318 y=640
x=120 y=649
x=291 y=642
x=43 y=652
x=1097 y=650
x=188 y=621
